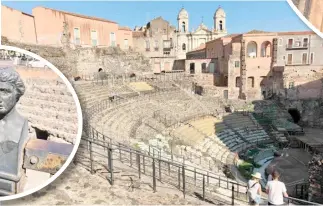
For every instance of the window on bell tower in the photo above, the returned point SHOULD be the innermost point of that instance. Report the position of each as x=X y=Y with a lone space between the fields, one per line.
x=221 y=25
x=183 y=27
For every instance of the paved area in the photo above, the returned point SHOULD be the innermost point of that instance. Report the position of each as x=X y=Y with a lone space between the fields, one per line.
x=293 y=166
x=312 y=136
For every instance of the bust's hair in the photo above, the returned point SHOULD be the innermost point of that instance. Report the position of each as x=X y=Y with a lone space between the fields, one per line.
x=10 y=75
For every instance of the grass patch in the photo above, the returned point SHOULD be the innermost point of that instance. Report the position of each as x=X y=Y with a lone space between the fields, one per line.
x=246 y=168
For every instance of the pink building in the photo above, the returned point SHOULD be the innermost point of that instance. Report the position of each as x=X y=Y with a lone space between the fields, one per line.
x=18 y=26
x=242 y=63
x=56 y=28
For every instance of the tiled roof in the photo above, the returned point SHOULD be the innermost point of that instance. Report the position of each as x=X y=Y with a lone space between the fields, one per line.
x=227 y=36
x=138 y=34
x=230 y=35
x=201 y=47
x=124 y=28
x=257 y=32
x=80 y=15
x=296 y=33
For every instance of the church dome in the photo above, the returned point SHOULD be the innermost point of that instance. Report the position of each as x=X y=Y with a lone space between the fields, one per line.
x=219 y=12
x=183 y=14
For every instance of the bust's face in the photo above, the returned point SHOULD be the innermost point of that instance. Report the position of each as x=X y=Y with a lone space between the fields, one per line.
x=7 y=97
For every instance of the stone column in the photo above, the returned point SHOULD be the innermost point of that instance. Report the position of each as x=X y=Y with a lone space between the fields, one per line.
x=243 y=71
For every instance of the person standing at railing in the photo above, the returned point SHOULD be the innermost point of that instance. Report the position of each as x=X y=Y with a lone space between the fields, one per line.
x=254 y=189
x=276 y=190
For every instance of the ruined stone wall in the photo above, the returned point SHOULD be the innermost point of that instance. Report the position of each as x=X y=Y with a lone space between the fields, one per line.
x=111 y=60
x=315 y=171
x=86 y=61
x=60 y=58
x=311 y=110
x=48 y=105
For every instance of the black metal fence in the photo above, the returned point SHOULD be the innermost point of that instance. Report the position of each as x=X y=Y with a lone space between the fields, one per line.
x=99 y=154
x=103 y=78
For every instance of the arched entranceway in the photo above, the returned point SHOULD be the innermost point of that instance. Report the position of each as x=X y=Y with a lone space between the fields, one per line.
x=252 y=49
x=296 y=115
x=192 y=68
x=41 y=134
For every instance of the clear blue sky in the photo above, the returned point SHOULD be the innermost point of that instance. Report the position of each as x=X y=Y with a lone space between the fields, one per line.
x=241 y=16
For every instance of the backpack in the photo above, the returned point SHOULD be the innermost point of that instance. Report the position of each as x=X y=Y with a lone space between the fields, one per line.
x=248 y=190
x=255 y=197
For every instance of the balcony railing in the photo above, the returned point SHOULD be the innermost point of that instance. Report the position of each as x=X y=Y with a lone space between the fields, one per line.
x=147 y=49
x=296 y=63
x=294 y=46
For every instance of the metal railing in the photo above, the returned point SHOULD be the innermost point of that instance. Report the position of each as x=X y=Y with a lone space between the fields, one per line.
x=100 y=154
x=102 y=157
x=101 y=151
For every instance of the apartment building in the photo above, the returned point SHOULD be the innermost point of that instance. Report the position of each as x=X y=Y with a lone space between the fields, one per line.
x=57 y=28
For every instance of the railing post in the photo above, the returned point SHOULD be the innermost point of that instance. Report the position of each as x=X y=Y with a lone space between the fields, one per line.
x=91 y=156
x=143 y=164
x=138 y=164
x=154 y=175
x=179 y=178
x=195 y=176
x=120 y=153
x=232 y=195
x=203 y=187
x=159 y=167
x=130 y=157
x=110 y=157
x=208 y=178
x=183 y=174
x=168 y=168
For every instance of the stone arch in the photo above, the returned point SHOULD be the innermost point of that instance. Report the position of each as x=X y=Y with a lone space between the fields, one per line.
x=266 y=49
x=296 y=115
x=252 y=49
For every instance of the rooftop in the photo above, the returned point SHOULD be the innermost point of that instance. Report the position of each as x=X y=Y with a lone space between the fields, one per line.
x=79 y=15
x=138 y=34
x=296 y=33
x=124 y=28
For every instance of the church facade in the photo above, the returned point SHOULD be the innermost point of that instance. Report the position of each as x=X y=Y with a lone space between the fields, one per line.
x=167 y=45
x=189 y=41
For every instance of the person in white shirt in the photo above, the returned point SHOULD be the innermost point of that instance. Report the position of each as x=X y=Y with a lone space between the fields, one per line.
x=276 y=190
x=254 y=189
x=270 y=178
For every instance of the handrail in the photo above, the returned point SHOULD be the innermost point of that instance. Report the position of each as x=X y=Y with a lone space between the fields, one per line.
x=113 y=142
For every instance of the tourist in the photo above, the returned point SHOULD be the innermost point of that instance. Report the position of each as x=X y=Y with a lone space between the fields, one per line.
x=270 y=178
x=276 y=190
x=254 y=189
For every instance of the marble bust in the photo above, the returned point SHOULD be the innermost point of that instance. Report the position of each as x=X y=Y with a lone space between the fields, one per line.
x=13 y=132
